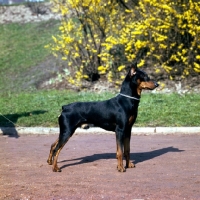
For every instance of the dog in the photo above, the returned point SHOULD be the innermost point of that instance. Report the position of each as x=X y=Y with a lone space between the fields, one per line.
x=117 y=114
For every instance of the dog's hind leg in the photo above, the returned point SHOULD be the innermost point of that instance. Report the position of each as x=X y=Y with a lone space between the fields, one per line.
x=56 y=152
x=50 y=158
x=63 y=138
x=66 y=131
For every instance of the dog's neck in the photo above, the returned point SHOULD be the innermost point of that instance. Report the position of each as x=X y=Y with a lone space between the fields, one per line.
x=126 y=88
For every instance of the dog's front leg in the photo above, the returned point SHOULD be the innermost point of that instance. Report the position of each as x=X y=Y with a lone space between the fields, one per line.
x=129 y=164
x=119 y=141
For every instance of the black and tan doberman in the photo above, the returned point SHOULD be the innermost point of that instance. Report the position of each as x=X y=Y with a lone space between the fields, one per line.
x=117 y=114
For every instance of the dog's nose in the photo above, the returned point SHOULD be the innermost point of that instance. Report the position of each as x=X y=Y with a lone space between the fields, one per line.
x=156 y=84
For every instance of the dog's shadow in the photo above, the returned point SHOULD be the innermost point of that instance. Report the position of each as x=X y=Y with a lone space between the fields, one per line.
x=136 y=157
x=8 y=121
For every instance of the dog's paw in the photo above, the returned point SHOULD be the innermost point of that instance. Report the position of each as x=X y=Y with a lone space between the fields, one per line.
x=121 y=169
x=56 y=169
x=49 y=162
x=130 y=165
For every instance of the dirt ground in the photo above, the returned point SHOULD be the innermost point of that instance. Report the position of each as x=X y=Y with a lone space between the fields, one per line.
x=167 y=167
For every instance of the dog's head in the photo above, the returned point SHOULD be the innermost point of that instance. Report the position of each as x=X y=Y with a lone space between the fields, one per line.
x=141 y=80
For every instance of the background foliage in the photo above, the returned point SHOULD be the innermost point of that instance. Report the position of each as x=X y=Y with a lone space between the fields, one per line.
x=103 y=37
x=24 y=63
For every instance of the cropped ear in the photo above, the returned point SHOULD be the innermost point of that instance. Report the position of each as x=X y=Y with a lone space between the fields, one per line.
x=133 y=69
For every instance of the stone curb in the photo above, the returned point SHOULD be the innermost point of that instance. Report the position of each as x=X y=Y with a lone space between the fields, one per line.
x=95 y=130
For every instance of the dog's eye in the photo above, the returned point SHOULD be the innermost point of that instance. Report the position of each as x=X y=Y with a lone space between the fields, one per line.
x=147 y=78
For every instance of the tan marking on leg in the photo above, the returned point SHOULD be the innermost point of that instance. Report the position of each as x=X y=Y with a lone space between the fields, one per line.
x=50 y=158
x=117 y=152
x=55 y=166
x=120 y=166
x=129 y=164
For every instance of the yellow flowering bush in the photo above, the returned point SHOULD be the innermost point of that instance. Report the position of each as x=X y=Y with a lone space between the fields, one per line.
x=104 y=36
x=162 y=33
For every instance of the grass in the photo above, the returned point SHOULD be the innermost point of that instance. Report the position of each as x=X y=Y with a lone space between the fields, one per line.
x=169 y=110
x=41 y=108
x=22 y=46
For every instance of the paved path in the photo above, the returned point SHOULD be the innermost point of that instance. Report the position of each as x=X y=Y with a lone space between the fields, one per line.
x=167 y=167
x=15 y=131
